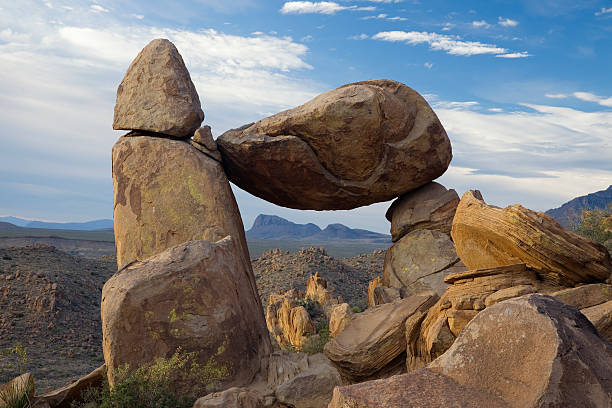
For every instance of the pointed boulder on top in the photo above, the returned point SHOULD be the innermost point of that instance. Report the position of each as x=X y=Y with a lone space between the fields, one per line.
x=157 y=95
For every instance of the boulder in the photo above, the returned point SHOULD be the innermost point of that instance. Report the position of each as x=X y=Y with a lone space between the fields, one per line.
x=372 y=285
x=532 y=351
x=385 y=294
x=431 y=207
x=339 y=318
x=317 y=290
x=234 y=397
x=18 y=386
x=73 y=392
x=374 y=339
x=487 y=237
x=586 y=295
x=419 y=261
x=204 y=142
x=157 y=95
x=167 y=193
x=288 y=322
x=197 y=297
x=359 y=144
x=601 y=317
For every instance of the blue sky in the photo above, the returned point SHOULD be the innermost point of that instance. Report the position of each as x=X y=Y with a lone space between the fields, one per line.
x=522 y=87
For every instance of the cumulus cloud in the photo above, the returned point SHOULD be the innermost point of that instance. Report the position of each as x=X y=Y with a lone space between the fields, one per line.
x=590 y=97
x=480 y=24
x=318 y=7
x=506 y=22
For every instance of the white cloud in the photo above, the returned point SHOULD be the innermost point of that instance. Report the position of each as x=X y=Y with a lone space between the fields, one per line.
x=522 y=54
x=380 y=16
x=455 y=105
x=590 y=97
x=318 y=7
x=496 y=110
x=383 y=16
x=603 y=11
x=451 y=44
x=428 y=65
x=359 y=37
x=481 y=24
x=397 y=18
x=99 y=9
x=448 y=26
x=556 y=96
x=506 y=22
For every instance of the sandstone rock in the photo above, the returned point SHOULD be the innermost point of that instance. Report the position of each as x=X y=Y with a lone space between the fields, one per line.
x=283 y=365
x=385 y=294
x=421 y=388
x=373 y=284
x=234 y=397
x=508 y=293
x=289 y=323
x=157 y=95
x=586 y=295
x=419 y=261
x=375 y=338
x=487 y=236
x=22 y=385
x=431 y=207
x=339 y=318
x=317 y=290
x=359 y=144
x=466 y=295
x=311 y=388
x=197 y=296
x=532 y=351
x=167 y=193
x=65 y=396
x=204 y=142
x=601 y=317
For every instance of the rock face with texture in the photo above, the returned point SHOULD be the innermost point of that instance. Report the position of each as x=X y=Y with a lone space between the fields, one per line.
x=375 y=338
x=487 y=237
x=601 y=317
x=167 y=193
x=234 y=397
x=288 y=322
x=359 y=144
x=157 y=95
x=595 y=302
x=431 y=207
x=419 y=261
x=198 y=296
x=65 y=396
x=317 y=290
x=339 y=317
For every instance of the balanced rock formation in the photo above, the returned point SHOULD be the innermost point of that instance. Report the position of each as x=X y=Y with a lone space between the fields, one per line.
x=167 y=193
x=197 y=296
x=204 y=142
x=419 y=261
x=374 y=341
x=469 y=293
x=431 y=207
x=487 y=237
x=289 y=323
x=531 y=351
x=359 y=144
x=157 y=95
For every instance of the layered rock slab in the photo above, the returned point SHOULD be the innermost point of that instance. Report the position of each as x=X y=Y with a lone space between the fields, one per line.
x=487 y=236
x=157 y=94
x=167 y=193
x=196 y=296
x=359 y=144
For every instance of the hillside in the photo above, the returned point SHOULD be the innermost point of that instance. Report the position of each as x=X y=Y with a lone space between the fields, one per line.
x=78 y=226
x=568 y=215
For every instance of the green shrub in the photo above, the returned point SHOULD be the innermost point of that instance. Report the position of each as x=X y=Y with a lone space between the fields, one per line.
x=596 y=225
x=316 y=342
x=356 y=309
x=313 y=307
x=13 y=360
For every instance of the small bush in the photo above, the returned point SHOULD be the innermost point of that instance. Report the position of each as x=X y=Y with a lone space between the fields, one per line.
x=315 y=343
x=356 y=309
x=13 y=360
x=313 y=307
x=596 y=225
x=16 y=397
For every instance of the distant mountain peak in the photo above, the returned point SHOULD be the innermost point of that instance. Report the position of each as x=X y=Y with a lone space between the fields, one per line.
x=568 y=215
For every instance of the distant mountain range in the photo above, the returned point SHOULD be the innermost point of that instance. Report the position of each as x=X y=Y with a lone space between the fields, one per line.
x=275 y=227
x=568 y=214
x=77 y=226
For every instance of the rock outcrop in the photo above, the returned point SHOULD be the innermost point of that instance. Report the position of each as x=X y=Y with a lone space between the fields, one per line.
x=73 y=392
x=317 y=290
x=375 y=340
x=487 y=237
x=595 y=302
x=157 y=95
x=197 y=296
x=419 y=261
x=359 y=144
x=288 y=322
x=234 y=397
x=339 y=317
x=167 y=193
x=431 y=207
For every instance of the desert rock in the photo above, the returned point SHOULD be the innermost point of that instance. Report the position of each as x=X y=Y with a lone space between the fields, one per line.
x=157 y=95
x=601 y=317
x=487 y=236
x=359 y=144
x=197 y=296
x=65 y=396
x=339 y=318
x=431 y=207
x=234 y=397
x=288 y=322
x=586 y=295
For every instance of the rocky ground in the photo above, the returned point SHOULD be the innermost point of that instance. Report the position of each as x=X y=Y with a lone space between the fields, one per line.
x=50 y=301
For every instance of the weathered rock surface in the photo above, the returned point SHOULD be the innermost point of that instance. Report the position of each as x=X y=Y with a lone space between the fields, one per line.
x=234 y=397
x=167 y=193
x=288 y=322
x=204 y=142
x=359 y=144
x=586 y=295
x=317 y=290
x=157 y=95
x=65 y=396
x=601 y=317
x=532 y=351
x=22 y=385
x=431 y=207
x=372 y=285
x=419 y=261
x=375 y=338
x=487 y=236
x=339 y=318
x=385 y=294
x=197 y=296
x=465 y=297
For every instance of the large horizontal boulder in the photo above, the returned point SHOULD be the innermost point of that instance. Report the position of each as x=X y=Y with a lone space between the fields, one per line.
x=66 y=396
x=359 y=144
x=419 y=261
x=196 y=298
x=157 y=95
x=487 y=237
x=167 y=193
x=374 y=339
x=431 y=207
